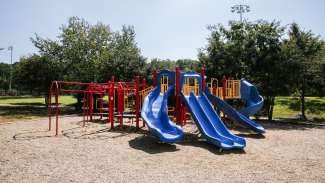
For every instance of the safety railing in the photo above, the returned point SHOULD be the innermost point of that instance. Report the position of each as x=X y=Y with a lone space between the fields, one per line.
x=164 y=82
x=191 y=84
x=231 y=89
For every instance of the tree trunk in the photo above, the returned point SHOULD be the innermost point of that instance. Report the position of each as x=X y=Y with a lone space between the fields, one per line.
x=270 y=108
x=302 y=102
x=46 y=100
x=78 y=106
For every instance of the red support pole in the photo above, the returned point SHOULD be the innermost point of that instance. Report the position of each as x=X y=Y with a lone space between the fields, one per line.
x=57 y=108
x=178 y=96
x=154 y=78
x=91 y=104
x=144 y=86
x=120 y=104
x=224 y=87
x=203 y=78
x=184 y=115
x=87 y=107
x=50 y=107
x=84 y=111
x=137 y=102
x=101 y=105
x=111 y=103
x=108 y=103
x=232 y=87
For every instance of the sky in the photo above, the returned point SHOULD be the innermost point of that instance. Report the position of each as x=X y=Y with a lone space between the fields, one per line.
x=172 y=29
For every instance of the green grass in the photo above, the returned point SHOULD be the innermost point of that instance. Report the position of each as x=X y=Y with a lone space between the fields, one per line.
x=23 y=108
x=288 y=107
x=27 y=107
x=29 y=100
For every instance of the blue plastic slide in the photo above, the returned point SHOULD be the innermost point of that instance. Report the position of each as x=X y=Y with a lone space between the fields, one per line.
x=155 y=114
x=233 y=114
x=207 y=120
x=254 y=102
x=209 y=123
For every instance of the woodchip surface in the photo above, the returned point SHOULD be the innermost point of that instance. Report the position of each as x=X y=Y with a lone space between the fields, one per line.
x=30 y=153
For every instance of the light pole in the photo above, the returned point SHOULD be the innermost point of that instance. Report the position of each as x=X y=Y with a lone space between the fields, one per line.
x=10 y=48
x=240 y=9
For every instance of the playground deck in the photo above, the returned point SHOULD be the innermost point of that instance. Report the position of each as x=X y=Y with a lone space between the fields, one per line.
x=30 y=153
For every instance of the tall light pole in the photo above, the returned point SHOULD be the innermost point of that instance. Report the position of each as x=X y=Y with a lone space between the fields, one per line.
x=240 y=9
x=10 y=48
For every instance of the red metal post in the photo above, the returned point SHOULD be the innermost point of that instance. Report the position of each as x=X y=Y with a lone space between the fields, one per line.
x=50 y=107
x=91 y=104
x=184 y=115
x=120 y=104
x=144 y=86
x=101 y=105
x=178 y=95
x=108 y=103
x=137 y=102
x=111 y=103
x=224 y=87
x=154 y=78
x=203 y=78
x=84 y=111
x=57 y=108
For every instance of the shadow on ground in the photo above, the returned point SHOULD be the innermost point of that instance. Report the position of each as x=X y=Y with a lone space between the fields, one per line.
x=290 y=124
x=195 y=140
x=93 y=132
x=31 y=135
x=151 y=145
x=21 y=111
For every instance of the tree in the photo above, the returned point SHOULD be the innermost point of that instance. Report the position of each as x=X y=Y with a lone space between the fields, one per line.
x=4 y=75
x=125 y=61
x=248 y=50
x=303 y=50
x=93 y=53
x=189 y=65
x=35 y=73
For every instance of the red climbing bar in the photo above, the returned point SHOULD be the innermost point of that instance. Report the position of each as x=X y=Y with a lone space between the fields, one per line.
x=154 y=77
x=224 y=87
x=50 y=107
x=137 y=102
x=203 y=78
x=178 y=96
x=111 y=103
x=144 y=86
x=57 y=108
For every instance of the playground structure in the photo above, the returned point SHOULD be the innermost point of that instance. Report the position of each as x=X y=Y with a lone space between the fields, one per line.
x=192 y=94
x=124 y=100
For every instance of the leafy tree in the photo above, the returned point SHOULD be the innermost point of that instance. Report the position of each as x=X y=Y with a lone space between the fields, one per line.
x=125 y=61
x=189 y=65
x=4 y=75
x=248 y=50
x=35 y=73
x=93 y=53
x=303 y=50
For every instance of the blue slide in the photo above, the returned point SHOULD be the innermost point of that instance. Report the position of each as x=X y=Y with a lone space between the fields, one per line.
x=233 y=114
x=155 y=114
x=210 y=124
x=254 y=102
x=208 y=121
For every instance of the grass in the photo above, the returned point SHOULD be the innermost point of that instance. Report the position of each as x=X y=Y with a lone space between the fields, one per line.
x=27 y=107
x=28 y=100
x=22 y=108
x=289 y=107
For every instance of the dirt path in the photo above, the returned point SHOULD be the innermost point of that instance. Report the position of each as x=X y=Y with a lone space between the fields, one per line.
x=29 y=153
